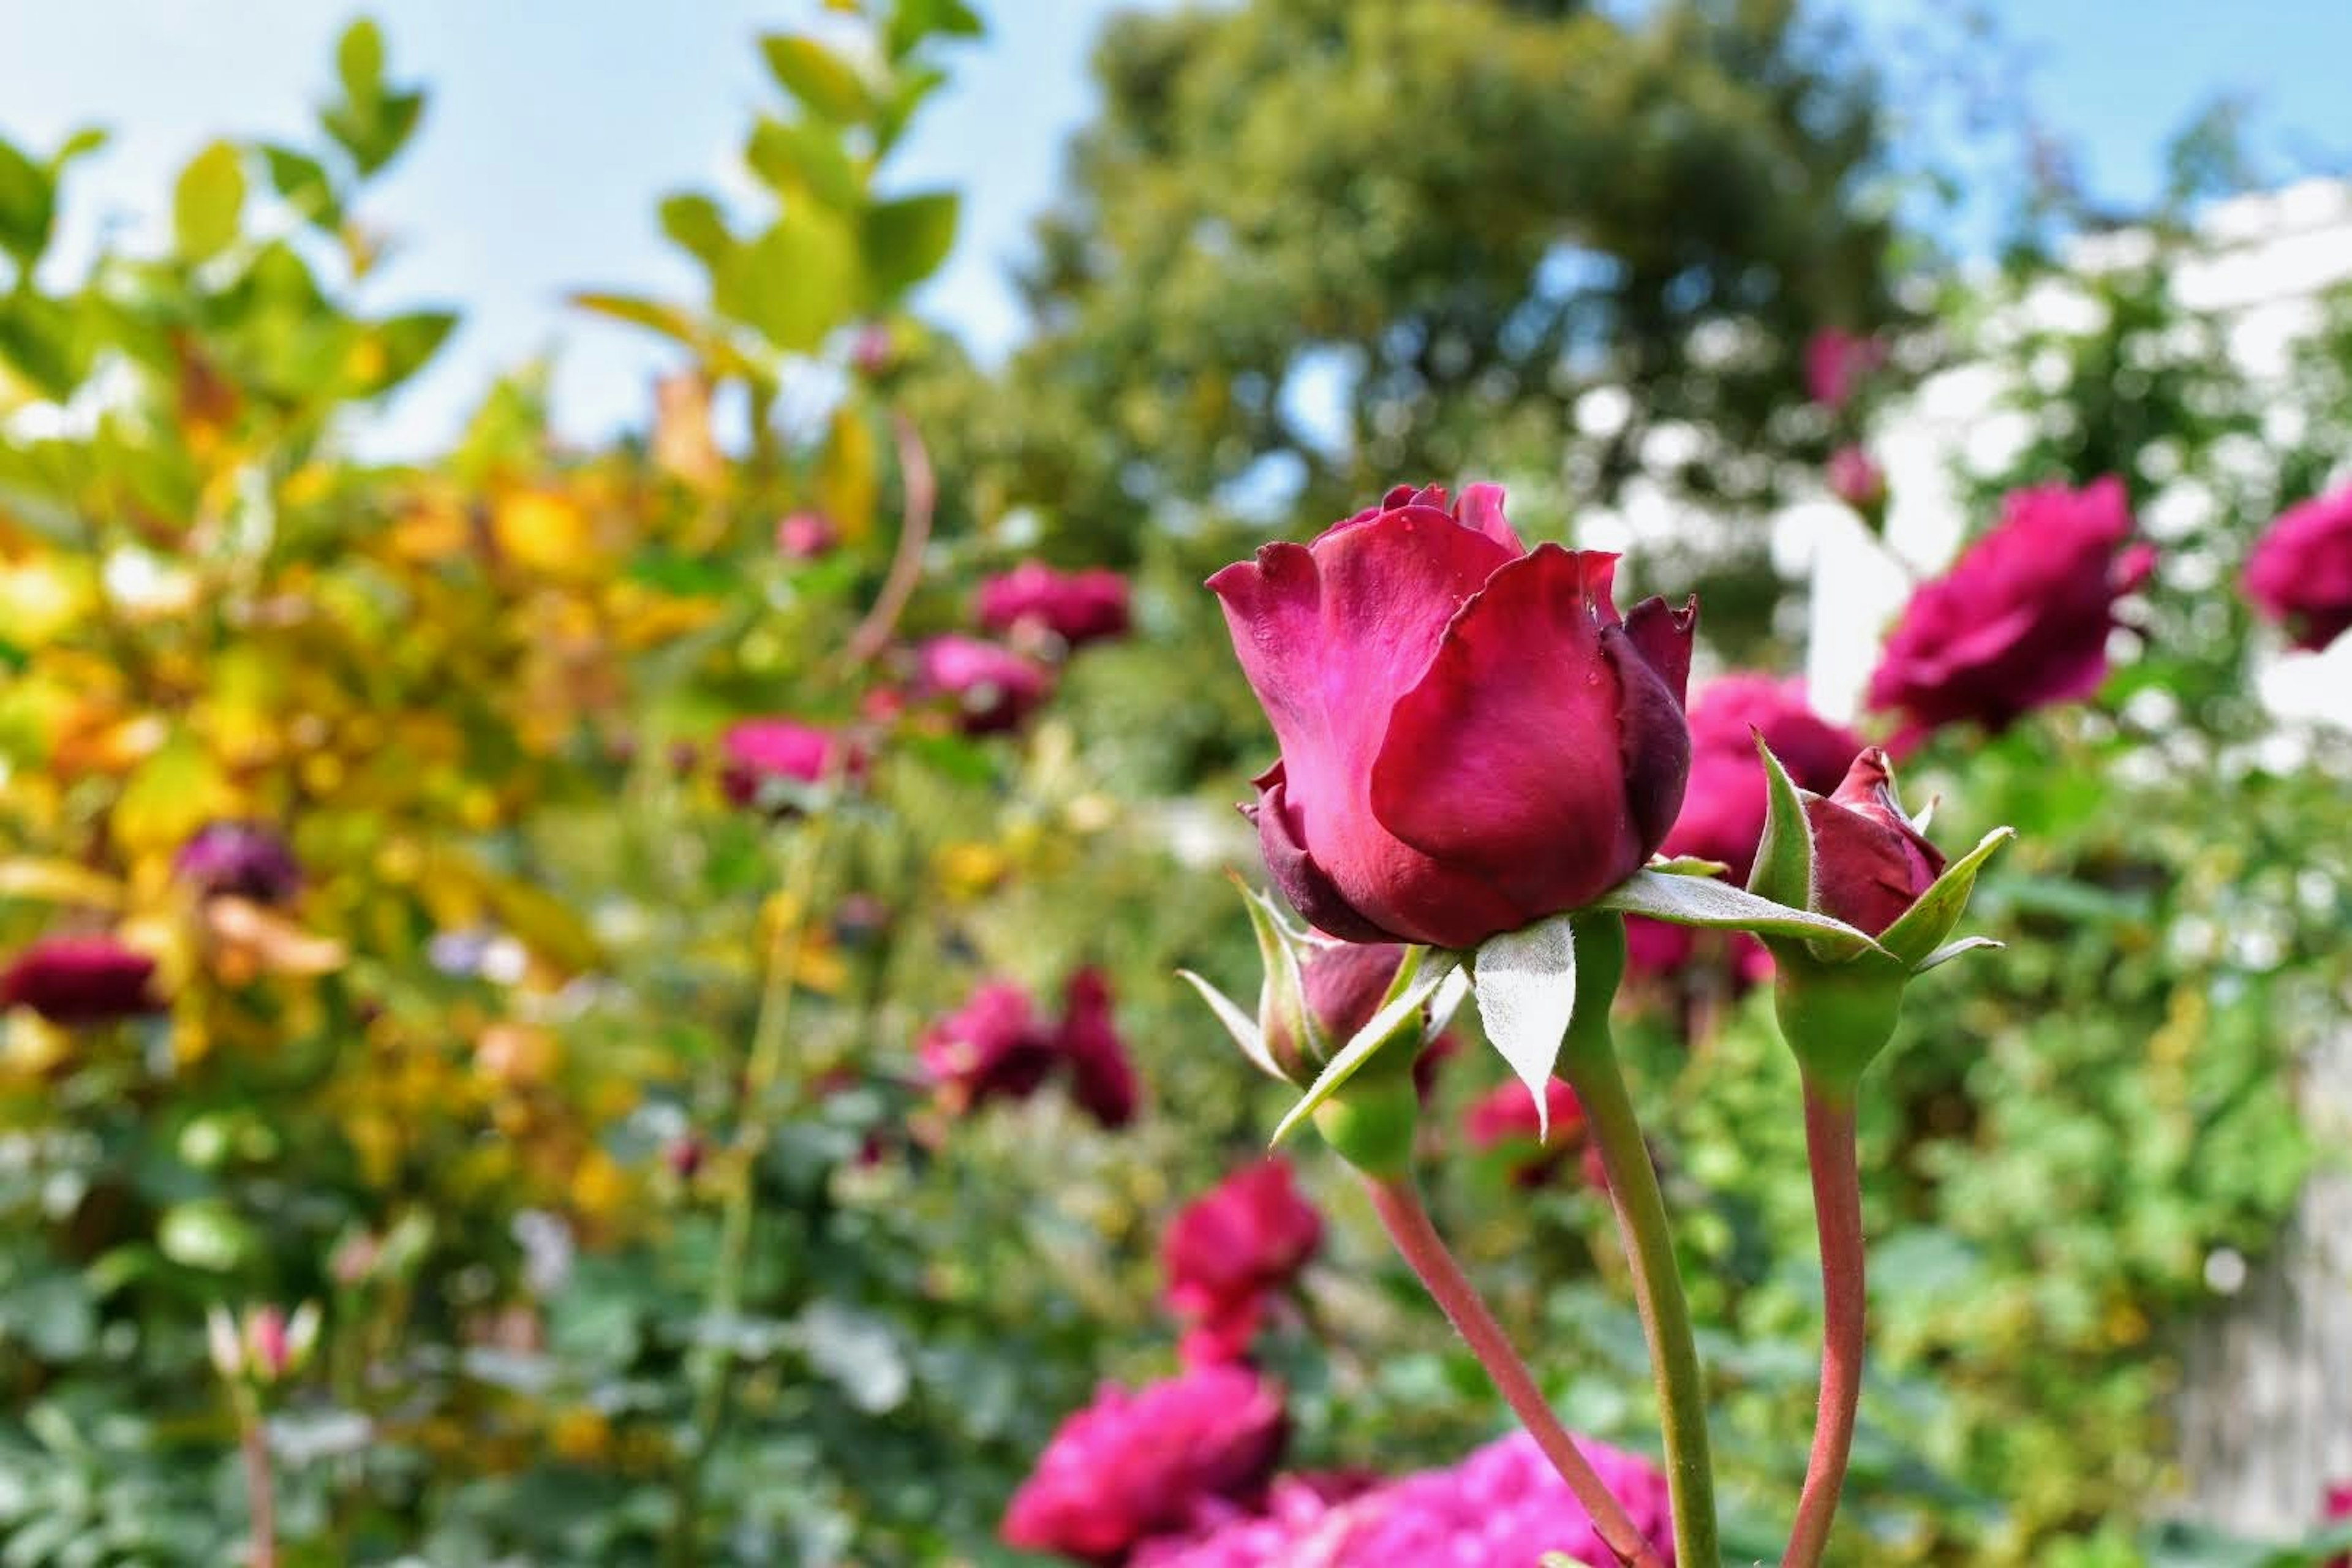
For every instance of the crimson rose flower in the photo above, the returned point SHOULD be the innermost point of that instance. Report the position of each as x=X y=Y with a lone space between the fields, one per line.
x=758 y=750
x=239 y=859
x=1102 y=1074
x=81 y=980
x=1229 y=1249
x=993 y=1048
x=2022 y=619
x=1146 y=1463
x=1870 y=864
x=2300 y=573
x=1078 y=607
x=993 y=689
x=1471 y=738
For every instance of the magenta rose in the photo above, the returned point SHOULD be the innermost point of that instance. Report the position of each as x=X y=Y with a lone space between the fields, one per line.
x=1503 y=1507
x=806 y=536
x=1228 y=1250
x=1836 y=362
x=1723 y=808
x=81 y=980
x=1471 y=738
x=1870 y=863
x=1078 y=607
x=2022 y=619
x=755 y=752
x=1102 y=1074
x=1504 y=1118
x=1856 y=480
x=991 y=1047
x=239 y=859
x=1134 y=1465
x=2336 y=1508
x=2300 y=573
x=993 y=689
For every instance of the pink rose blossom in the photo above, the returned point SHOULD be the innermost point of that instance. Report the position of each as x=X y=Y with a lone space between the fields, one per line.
x=1229 y=1249
x=1078 y=607
x=2300 y=573
x=80 y=980
x=993 y=689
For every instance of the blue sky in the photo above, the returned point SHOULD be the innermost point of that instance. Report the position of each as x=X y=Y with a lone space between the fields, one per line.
x=554 y=124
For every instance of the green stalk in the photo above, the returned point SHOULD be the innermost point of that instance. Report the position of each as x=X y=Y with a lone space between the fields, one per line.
x=1587 y=1061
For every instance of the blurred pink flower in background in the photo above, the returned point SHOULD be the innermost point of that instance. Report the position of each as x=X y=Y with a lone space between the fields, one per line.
x=1228 y=1250
x=1102 y=1074
x=1836 y=362
x=806 y=536
x=993 y=689
x=993 y=1048
x=755 y=750
x=81 y=980
x=1078 y=607
x=2300 y=572
x=239 y=859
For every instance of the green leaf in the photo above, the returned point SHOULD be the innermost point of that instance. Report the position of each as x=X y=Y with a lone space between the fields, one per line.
x=40 y=342
x=1238 y=1024
x=1783 y=871
x=822 y=80
x=695 y=224
x=209 y=202
x=805 y=158
x=1952 y=950
x=359 y=61
x=399 y=346
x=669 y=321
x=1525 y=981
x=1284 y=986
x=29 y=195
x=1925 y=924
x=796 y=283
x=907 y=239
x=1697 y=901
x=912 y=21
x=1382 y=1026
x=305 y=185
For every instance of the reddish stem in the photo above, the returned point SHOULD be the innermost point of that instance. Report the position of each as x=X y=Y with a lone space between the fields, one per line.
x=1837 y=1211
x=260 y=1489
x=1417 y=1241
x=922 y=494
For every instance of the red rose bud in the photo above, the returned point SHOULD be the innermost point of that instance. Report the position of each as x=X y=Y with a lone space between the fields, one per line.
x=1078 y=607
x=1504 y=1118
x=1138 y=1464
x=239 y=859
x=1855 y=480
x=2022 y=620
x=1102 y=1074
x=990 y=1049
x=1429 y=790
x=756 y=752
x=993 y=689
x=1870 y=864
x=1344 y=982
x=81 y=980
x=1229 y=1249
x=806 y=536
x=1836 y=363
x=684 y=1156
x=2335 y=1509
x=2300 y=573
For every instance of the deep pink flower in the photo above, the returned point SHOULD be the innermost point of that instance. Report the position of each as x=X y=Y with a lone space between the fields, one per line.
x=1836 y=360
x=806 y=536
x=1471 y=738
x=755 y=750
x=1856 y=480
x=1503 y=1507
x=2022 y=620
x=1233 y=1246
x=1504 y=1118
x=2300 y=573
x=1078 y=607
x=1723 y=808
x=81 y=980
x=993 y=1048
x=1870 y=864
x=993 y=689
x=2335 y=1509
x=239 y=859
x=1102 y=1074
x=1135 y=1465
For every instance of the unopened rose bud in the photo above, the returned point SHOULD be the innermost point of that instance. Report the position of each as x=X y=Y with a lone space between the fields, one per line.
x=1870 y=863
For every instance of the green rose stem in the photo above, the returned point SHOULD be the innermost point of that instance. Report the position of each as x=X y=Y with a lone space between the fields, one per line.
x=1837 y=1208
x=714 y=1361
x=1588 y=1060
x=1401 y=1210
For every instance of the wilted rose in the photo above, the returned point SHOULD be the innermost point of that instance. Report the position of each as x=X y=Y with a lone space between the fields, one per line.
x=1228 y=1250
x=757 y=751
x=1870 y=863
x=993 y=1048
x=1078 y=607
x=1471 y=738
x=2022 y=619
x=81 y=980
x=1138 y=1464
x=1102 y=1074
x=993 y=689
x=2300 y=573
x=239 y=859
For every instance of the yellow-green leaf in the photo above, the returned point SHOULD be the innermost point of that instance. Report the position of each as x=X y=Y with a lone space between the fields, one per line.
x=907 y=239
x=209 y=202
x=796 y=282
x=821 y=79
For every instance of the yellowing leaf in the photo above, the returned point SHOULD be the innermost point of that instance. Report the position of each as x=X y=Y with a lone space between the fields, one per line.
x=846 y=478
x=208 y=202
x=57 y=882
x=546 y=531
x=169 y=796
